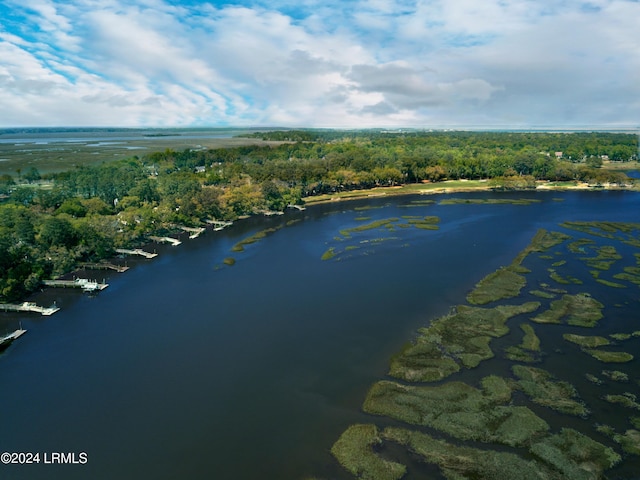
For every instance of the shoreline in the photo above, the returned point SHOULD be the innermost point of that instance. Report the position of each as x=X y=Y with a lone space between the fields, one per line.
x=455 y=186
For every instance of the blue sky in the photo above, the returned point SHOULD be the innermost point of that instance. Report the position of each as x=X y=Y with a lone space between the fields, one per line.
x=308 y=63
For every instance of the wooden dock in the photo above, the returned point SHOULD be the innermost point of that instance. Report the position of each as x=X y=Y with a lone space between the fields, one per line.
x=28 y=307
x=173 y=241
x=104 y=266
x=6 y=340
x=217 y=225
x=193 y=232
x=83 y=283
x=298 y=207
x=137 y=251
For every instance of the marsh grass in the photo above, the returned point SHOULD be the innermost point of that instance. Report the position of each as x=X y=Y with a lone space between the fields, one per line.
x=580 y=310
x=542 y=294
x=488 y=201
x=239 y=247
x=460 y=339
x=616 y=375
x=526 y=351
x=355 y=452
x=584 y=341
x=609 y=357
x=609 y=283
x=501 y=284
x=229 y=261
x=627 y=400
x=545 y=390
x=329 y=254
x=461 y=462
x=458 y=409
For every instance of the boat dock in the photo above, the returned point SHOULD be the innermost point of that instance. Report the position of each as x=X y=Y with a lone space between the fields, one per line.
x=28 y=307
x=137 y=251
x=217 y=226
x=193 y=232
x=6 y=340
x=298 y=207
x=173 y=241
x=105 y=266
x=83 y=283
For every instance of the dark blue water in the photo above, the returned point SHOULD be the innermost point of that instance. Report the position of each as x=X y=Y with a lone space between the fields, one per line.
x=183 y=368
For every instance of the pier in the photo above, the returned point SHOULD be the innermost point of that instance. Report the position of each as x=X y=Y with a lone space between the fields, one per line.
x=193 y=232
x=137 y=251
x=28 y=307
x=105 y=266
x=6 y=340
x=83 y=283
x=173 y=241
x=298 y=207
x=217 y=225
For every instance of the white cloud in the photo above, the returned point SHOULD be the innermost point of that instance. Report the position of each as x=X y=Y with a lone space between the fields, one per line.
x=375 y=62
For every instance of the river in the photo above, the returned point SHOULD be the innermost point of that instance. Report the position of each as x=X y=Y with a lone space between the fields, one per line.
x=187 y=368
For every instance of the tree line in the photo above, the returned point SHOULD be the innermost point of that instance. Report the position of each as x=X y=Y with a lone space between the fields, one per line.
x=50 y=223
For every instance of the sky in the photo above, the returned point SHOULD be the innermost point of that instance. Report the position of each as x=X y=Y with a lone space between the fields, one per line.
x=309 y=63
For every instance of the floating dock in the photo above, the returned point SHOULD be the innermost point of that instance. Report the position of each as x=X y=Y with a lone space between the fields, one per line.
x=83 y=283
x=105 y=266
x=173 y=241
x=137 y=251
x=28 y=307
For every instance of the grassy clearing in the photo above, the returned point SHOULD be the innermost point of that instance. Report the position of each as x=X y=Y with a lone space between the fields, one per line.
x=354 y=451
x=460 y=339
x=580 y=310
x=459 y=410
x=588 y=342
x=545 y=390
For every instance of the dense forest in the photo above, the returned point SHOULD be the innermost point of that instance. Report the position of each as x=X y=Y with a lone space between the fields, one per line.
x=48 y=224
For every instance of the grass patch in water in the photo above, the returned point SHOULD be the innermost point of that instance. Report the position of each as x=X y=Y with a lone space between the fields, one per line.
x=581 y=310
x=459 y=410
x=586 y=341
x=578 y=245
x=503 y=283
x=488 y=201
x=239 y=247
x=460 y=462
x=355 y=452
x=362 y=219
x=610 y=284
x=460 y=339
x=525 y=352
x=616 y=375
x=329 y=254
x=545 y=390
x=609 y=357
x=574 y=455
x=593 y=379
x=229 y=261
x=542 y=294
x=627 y=400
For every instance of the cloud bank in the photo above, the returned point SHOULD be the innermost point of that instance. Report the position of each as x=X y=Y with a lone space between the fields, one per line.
x=517 y=63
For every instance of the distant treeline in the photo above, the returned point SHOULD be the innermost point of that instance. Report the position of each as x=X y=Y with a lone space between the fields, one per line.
x=48 y=225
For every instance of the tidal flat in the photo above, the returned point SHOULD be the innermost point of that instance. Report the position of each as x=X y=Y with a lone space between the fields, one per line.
x=462 y=421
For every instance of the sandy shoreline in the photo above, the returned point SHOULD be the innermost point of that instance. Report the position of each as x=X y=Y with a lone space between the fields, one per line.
x=453 y=186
